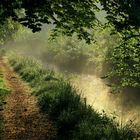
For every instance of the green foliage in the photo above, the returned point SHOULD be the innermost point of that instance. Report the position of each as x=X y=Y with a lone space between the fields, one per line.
x=67 y=16
x=125 y=61
x=122 y=14
x=71 y=16
x=73 y=117
x=70 y=54
x=8 y=30
x=4 y=91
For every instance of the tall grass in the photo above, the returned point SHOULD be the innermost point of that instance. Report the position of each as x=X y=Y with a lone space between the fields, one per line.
x=74 y=119
x=4 y=91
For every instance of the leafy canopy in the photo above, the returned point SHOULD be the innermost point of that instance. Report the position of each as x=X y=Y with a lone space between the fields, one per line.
x=125 y=60
x=122 y=13
x=68 y=15
x=71 y=16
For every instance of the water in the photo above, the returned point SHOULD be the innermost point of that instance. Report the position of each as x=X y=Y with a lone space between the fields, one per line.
x=98 y=95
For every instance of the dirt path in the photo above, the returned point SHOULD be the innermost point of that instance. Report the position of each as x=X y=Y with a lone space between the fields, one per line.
x=22 y=118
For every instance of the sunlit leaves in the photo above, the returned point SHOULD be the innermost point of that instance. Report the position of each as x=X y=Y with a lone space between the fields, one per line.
x=7 y=30
x=126 y=64
x=69 y=16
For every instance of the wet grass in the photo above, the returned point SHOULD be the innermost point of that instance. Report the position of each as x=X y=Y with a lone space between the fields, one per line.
x=74 y=119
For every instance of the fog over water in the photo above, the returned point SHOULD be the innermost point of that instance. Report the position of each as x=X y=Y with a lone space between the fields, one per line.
x=124 y=106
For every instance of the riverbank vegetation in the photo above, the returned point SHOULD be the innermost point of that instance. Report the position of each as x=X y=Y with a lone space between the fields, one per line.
x=4 y=91
x=68 y=110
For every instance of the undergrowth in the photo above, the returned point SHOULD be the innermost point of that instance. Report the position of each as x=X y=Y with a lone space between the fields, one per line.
x=4 y=91
x=74 y=119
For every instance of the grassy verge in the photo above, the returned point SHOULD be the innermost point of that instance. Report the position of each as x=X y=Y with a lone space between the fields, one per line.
x=3 y=93
x=74 y=119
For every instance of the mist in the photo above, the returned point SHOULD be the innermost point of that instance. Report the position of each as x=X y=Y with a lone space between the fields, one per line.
x=124 y=106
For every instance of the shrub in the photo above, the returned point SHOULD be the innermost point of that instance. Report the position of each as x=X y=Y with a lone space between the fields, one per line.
x=125 y=61
x=4 y=91
x=73 y=118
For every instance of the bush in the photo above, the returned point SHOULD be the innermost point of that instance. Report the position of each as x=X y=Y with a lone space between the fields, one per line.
x=125 y=60
x=3 y=93
x=73 y=118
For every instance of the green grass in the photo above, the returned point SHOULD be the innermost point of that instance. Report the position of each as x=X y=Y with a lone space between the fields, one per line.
x=74 y=119
x=3 y=93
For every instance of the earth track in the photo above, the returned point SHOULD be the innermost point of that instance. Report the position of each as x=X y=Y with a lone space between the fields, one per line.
x=22 y=118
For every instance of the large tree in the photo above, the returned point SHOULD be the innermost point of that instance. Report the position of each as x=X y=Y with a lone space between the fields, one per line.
x=72 y=15
x=68 y=15
x=124 y=15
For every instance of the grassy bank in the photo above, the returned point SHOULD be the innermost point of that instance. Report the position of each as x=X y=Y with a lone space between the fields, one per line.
x=74 y=119
x=3 y=93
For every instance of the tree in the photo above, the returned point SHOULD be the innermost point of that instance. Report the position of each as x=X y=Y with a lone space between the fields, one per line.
x=8 y=30
x=122 y=13
x=124 y=16
x=72 y=15
x=125 y=70
x=69 y=16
